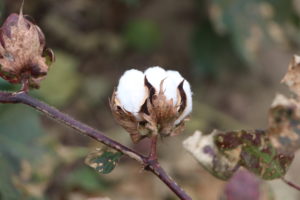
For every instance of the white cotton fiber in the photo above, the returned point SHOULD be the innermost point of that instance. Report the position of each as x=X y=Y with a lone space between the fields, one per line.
x=131 y=91
x=171 y=84
x=189 y=102
x=155 y=75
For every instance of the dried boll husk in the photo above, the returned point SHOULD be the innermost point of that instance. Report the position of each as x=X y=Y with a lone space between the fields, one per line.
x=23 y=56
x=156 y=114
x=161 y=113
x=126 y=119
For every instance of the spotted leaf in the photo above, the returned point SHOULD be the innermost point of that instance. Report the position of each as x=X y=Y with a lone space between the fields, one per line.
x=103 y=161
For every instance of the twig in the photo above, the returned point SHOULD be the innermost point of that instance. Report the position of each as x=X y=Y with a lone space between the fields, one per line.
x=297 y=187
x=148 y=163
x=155 y=168
x=22 y=97
x=153 y=148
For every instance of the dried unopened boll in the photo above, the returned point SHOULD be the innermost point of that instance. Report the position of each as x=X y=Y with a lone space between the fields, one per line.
x=154 y=102
x=23 y=56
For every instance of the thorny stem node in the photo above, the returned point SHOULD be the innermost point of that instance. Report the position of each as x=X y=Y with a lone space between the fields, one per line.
x=151 y=164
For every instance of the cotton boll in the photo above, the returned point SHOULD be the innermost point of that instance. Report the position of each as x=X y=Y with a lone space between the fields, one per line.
x=189 y=102
x=155 y=75
x=171 y=84
x=131 y=91
x=172 y=79
x=159 y=114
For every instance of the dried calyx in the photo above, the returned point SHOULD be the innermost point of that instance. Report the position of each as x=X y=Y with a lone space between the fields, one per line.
x=23 y=55
x=153 y=102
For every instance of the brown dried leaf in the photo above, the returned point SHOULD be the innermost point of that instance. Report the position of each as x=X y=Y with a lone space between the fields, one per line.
x=284 y=124
x=161 y=113
x=125 y=119
x=178 y=128
x=165 y=111
x=292 y=77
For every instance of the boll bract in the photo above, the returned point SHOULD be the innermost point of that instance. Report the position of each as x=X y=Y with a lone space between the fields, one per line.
x=154 y=102
x=23 y=56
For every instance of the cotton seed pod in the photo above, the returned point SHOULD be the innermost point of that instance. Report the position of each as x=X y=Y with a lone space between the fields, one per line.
x=23 y=56
x=153 y=102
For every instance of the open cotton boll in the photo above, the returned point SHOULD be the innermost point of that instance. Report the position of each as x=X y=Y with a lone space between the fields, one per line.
x=155 y=75
x=171 y=84
x=172 y=79
x=162 y=113
x=131 y=91
x=189 y=102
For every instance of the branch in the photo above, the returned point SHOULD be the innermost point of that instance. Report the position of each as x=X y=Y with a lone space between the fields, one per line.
x=149 y=165
x=22 y=97
x=153 y=148
x=297 y=187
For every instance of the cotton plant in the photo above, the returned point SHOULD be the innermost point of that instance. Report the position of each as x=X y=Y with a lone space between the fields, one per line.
x=149 y=104
x=154 y=102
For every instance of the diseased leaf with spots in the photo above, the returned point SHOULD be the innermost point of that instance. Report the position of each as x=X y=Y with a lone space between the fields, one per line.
x=284 y=124
x=267 y=153
x=103 y=161
x=229 y=150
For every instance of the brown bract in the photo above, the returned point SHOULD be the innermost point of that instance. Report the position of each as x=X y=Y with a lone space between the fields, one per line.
x=125 y=119
x=284 y=116
x=292 y=77
x=23 y=56
x=284 y=124
x=157 y=114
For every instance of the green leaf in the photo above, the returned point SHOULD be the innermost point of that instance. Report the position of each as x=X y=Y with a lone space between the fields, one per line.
x=20 y=135
x=204 y=41
x=7 y=189
x=84 y=177
x=62 y=81
x=4 y=85
x=20 y=129
x=143 y=35
x=103 y=161
x=251 y=24
x=131 y=3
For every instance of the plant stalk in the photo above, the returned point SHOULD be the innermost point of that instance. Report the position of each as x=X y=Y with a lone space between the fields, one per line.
x=153 y=148
x=297 y=187
x=149 y=163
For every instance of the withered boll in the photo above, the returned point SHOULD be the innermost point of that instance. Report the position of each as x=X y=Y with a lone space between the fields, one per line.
x=23 y=56
x=153 y=102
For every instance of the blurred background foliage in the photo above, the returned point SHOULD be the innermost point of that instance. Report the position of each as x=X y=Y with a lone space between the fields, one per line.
x=234 y=52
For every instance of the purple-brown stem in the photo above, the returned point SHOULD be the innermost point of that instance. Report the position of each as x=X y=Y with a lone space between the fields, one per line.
x=297 y=187
x=153 y=148
x=149 y=164
x=154 y=167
